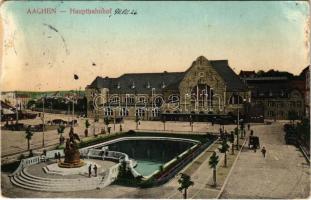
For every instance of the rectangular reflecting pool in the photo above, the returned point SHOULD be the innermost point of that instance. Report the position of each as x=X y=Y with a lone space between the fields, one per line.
x=150 y=154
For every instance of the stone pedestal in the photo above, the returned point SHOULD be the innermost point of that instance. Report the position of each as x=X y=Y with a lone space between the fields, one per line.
x=72 y=159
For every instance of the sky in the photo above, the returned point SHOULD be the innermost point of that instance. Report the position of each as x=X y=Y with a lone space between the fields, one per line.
x=43 y=51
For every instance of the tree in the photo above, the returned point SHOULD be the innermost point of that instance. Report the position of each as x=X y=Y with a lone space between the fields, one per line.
x=223 y=149
x=231 y=139
x=184 y=182
x=236 y=132
x=60 y=131
x=87 y=125
x=213 y=161
x=28 y=136
x=122 y=170
x=137 y=121
x=31 y=103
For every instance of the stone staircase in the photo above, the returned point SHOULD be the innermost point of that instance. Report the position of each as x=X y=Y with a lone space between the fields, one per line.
x=26 y=180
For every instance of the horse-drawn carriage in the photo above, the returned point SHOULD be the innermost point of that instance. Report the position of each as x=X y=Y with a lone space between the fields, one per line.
x=253 y=142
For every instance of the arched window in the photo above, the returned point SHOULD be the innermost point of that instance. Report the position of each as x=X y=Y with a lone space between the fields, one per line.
x=114 y=99
x=155 y=112
x=140 y=112
x=235 y=99
x=129 y=100
x=124 y=112
x=108 y=112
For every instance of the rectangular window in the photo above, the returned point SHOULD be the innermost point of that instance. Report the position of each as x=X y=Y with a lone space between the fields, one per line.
x=281 y=113
x=270 y=113
x=201 y=74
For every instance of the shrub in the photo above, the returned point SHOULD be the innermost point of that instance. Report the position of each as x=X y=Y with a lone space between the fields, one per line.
x=147 y=183
x=131 y=132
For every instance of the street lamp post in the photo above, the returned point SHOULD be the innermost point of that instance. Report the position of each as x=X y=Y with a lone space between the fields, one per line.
x=73 y=110
x=238 y=123
x=43 y=122
x=17 y=108
x=210 y=94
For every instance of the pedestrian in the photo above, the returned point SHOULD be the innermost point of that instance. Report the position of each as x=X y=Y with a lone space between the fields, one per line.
x=95 y=170
x=55 y=156
x=255 y=146
x=120 y=127
x=90 y=170
x=252 y=133
x=58 y=155
x=248 y=126
x=263 y=151
x=108 y=128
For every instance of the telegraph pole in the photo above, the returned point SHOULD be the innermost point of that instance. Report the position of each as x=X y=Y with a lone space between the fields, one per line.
x=238 y=123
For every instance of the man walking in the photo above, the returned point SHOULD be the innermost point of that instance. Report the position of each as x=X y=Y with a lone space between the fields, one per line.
x=90 y=170
x=95 y=170
x=58 y=155
x=263 y=151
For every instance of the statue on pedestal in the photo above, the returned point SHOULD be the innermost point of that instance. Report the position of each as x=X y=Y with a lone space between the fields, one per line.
x=72 y=154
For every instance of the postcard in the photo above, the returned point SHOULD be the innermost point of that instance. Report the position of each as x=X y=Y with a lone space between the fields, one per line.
x=155 y=100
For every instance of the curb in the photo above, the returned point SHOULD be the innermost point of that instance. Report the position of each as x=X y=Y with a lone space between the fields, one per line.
x=304 y=154
x=227 y=178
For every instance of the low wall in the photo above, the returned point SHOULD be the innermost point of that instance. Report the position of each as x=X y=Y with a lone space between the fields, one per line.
x=26 y=162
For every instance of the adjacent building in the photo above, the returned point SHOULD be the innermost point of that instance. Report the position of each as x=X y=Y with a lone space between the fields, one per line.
x=206 y=87
x=276 y=97
x=306 y=75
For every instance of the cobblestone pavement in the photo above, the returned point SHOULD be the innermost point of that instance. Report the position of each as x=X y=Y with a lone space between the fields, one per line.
x=284 y=173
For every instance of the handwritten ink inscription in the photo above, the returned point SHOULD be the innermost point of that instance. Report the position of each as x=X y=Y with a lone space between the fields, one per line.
x=82 y=11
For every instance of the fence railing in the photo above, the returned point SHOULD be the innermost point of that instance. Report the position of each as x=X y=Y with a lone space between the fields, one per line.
x=26 y=162
x=174 y=170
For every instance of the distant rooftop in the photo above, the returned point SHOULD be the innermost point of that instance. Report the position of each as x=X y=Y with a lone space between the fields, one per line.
x=265 y=78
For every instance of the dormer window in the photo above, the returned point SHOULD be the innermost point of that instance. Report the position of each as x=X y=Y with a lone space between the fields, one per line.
x=163 y=85
x=148 y=85
x=133 y=85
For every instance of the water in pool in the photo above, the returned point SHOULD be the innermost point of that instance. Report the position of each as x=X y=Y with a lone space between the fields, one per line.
x=146 y=167
x=150 y=154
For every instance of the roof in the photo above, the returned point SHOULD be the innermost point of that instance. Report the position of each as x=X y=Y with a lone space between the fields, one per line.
x=274 y=78
x=143 y=83
x=140 y=82
x=232 y=80
x=263 y=87
x=247 y=73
